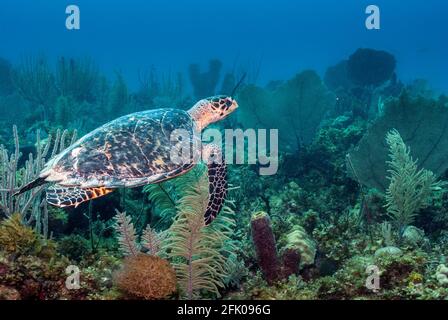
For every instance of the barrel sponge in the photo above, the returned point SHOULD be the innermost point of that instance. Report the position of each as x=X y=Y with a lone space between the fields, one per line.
x=145 y=276
x=298 y=239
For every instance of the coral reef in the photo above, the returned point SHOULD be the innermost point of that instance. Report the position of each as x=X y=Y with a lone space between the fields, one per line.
x=359 y=188
x=31 y=268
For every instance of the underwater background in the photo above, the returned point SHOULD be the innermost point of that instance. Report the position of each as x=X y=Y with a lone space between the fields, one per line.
x=356 y=210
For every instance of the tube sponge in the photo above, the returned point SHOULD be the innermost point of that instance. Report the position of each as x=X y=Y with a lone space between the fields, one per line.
x=290 y=262
x=265 y=246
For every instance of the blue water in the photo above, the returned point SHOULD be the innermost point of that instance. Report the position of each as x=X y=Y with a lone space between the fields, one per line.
x=279 y=37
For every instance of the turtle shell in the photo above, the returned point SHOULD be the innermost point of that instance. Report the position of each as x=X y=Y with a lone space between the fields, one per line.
x=130 y=151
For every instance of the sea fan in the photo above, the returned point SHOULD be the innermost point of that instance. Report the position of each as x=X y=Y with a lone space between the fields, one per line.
x=127 y=237
x=198 y=253
x=297 y=106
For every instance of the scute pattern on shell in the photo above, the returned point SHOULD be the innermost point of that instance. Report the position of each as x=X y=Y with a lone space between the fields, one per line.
x=129 y=151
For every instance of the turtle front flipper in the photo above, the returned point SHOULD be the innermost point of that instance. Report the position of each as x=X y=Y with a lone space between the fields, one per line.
x=60 y=196
x=217 y=179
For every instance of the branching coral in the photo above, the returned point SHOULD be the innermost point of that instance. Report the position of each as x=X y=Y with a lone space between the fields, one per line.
x=409 y=188
x=28 y=204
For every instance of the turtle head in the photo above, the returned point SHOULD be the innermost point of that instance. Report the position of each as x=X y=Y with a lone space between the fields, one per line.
x=212 y=109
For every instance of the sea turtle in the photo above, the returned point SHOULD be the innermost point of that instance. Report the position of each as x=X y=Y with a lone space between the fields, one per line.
x=135 y=150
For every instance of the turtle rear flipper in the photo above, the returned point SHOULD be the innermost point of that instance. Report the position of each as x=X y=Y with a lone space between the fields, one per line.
x=217 y=179
x=60 y=196
x=33 y=184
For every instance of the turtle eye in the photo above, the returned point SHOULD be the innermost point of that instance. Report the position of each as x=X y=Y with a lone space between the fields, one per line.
x=228 y=103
